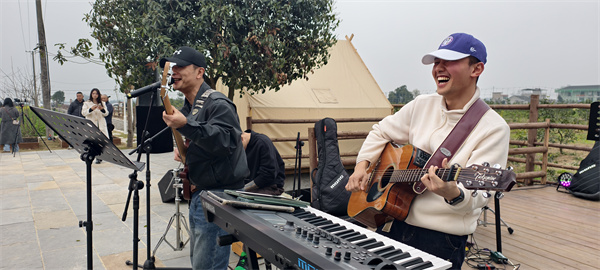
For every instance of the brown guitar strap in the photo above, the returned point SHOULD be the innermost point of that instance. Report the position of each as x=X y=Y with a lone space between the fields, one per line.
x=455 y=139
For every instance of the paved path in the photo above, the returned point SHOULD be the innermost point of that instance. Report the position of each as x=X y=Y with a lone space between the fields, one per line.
x=43 y=198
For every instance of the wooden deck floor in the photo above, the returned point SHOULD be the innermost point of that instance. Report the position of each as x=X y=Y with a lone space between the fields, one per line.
x=552 y=230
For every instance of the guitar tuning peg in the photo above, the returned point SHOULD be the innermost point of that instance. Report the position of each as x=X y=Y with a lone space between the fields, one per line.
x=499 y=195
x=486 y=164
x=510 y=168
x=486 y=194
x=474 y=194
x=497 y=166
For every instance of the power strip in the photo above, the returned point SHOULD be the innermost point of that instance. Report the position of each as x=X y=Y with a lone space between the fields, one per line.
x=497 y=257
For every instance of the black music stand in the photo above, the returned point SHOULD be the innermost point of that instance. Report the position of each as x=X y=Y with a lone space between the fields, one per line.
x=90 y=142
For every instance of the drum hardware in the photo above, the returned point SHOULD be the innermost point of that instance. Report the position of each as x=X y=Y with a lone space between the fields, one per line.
x=178 y=218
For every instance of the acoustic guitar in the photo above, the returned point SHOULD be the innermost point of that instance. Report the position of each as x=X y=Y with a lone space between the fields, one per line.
x=181 y=145
x=389 y=193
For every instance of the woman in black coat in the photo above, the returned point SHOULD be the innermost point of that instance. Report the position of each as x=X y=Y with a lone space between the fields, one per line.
x=10 y=133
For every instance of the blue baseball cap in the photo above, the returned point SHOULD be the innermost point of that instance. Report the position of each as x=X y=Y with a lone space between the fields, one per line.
x=457 y=46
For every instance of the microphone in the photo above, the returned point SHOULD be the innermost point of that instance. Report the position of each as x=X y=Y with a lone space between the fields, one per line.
x=140 y=91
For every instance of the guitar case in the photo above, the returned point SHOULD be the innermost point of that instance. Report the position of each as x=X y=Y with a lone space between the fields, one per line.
x=329 y=179
x=586 y=182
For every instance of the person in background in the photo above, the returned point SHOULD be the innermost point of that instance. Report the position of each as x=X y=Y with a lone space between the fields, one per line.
x=441 y=218
x=267 y=169
x=215 y=156
x=10 y=131
x=109 y=125
x=76 y=106
x=95 y=110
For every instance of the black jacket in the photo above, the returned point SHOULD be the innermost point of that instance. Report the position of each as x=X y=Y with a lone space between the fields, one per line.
x=110 y=109
x=215 y=157
x=75 y=108
x=265 y=164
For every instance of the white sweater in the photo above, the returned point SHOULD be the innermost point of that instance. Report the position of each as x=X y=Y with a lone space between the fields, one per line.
x=96 y=116
x=425 y=122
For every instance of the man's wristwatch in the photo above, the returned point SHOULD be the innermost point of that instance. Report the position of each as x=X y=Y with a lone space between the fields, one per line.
x=456 y=200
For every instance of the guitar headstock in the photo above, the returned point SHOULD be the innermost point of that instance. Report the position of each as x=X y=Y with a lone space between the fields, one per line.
x=165 y=83
x=484 y=177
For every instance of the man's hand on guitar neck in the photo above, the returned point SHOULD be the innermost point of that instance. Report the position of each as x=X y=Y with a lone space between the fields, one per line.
x=447 y=189
x=359 y=179
x=177 y=156
x=175 y=120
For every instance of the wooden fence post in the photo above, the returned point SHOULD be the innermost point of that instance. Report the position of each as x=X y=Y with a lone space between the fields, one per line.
x=545 y=155
x=531 y=136
x=249 y=122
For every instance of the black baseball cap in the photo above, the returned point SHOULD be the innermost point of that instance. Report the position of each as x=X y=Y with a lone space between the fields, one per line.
x=185 y=56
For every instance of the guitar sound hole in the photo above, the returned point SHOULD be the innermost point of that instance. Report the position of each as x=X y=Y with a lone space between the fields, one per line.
x=385 y=178
x=375 y=192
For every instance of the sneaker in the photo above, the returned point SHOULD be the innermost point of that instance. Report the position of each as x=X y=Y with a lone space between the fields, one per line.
x=98 y=161
x=242 y=263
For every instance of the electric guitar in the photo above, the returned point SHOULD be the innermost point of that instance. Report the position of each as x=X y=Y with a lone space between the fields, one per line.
x=181 y=145
x=390 y=193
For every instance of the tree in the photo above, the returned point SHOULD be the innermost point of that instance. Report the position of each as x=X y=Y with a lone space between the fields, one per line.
x=400 y=95
x=58 y=97
x=19 y=84
x=257 y=45
x=563 y=116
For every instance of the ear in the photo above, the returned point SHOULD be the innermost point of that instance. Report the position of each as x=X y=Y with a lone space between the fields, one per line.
x=477 y=70
x=200 y=73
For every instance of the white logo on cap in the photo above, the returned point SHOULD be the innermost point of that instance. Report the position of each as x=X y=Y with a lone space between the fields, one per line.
x=177 y=52
x=447 y=41
x=472 y=49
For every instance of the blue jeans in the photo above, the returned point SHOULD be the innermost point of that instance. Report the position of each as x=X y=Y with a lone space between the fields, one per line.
x=205 y=253
x=446 y=246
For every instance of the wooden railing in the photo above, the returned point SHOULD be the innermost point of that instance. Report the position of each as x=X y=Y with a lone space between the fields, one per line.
x=530 y=148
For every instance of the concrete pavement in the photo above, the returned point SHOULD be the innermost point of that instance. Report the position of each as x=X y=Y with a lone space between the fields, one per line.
x=43 y=198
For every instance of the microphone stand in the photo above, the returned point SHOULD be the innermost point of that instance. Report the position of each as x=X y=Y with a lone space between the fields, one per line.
x=135 y=185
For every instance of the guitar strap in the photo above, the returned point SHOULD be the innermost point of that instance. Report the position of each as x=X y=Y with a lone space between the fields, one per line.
x=451 y=144
x=455 y=139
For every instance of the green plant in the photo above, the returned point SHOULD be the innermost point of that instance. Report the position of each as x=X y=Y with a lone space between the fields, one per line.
x=29 y=130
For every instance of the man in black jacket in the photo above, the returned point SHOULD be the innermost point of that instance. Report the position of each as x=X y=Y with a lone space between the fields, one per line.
x=267 y=170
x=215 y=157
x=76 y=105
x=109 y=125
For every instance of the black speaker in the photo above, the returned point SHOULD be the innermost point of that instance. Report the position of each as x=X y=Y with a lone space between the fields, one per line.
x=162 y=143
x=165 y=187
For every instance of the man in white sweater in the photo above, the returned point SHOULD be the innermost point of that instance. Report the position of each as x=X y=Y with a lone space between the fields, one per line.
x=441 y=218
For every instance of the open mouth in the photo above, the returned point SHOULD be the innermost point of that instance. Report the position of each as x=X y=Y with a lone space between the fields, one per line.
x=443 y=79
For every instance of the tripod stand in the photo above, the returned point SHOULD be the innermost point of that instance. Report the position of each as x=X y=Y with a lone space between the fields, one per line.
x=498 y=220
x=178 y=218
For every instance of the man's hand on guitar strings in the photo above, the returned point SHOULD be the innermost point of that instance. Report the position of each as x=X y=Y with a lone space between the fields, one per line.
x=359 y=179
x=449 y=190
x=175 y=120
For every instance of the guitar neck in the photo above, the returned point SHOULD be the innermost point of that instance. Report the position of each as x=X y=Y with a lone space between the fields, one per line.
x=414 y=175
x=169 y=110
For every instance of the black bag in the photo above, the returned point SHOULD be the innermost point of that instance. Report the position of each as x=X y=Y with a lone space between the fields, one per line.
x=586 y=182
x=329 y=181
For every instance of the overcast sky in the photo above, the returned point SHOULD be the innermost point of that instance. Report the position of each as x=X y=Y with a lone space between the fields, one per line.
x=530 y=44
